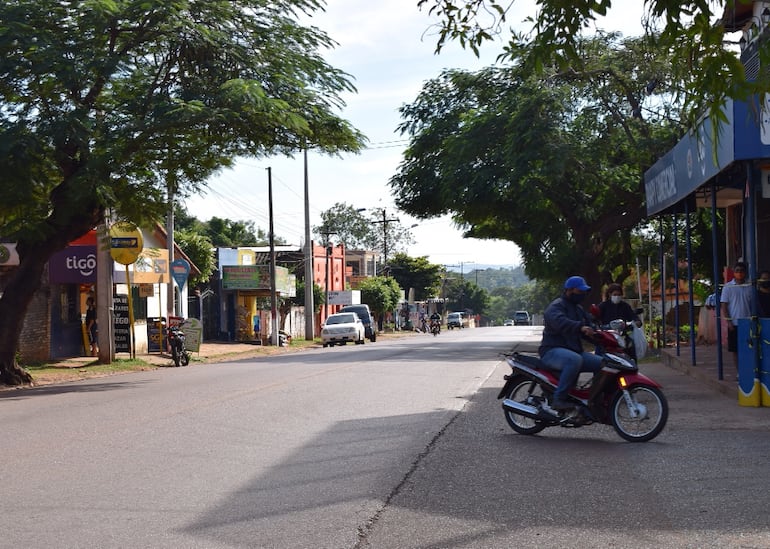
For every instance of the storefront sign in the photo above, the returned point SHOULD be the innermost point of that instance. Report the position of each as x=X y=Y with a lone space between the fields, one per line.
x=73 y=265
x=257 y=277
x=122 y=326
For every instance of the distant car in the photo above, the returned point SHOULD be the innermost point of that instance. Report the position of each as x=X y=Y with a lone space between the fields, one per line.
x=455 y=320
x=363 y=312
x=340 y=328
x=522 y=318
x=508 y=322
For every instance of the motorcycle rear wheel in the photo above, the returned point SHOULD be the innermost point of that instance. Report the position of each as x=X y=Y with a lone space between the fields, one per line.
x=645 y=428
x=520 y=392
x=175 y=354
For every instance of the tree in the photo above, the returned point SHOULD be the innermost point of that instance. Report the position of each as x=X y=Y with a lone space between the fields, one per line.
x=200 y=251
x=107 y=104
x=693 y=30
x=464 y=295
x=418 y=274
x=382 y=294
x=363 y=232
x=563 y=178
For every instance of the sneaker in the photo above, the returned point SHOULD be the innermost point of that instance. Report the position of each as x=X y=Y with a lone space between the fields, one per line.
x=561 y=404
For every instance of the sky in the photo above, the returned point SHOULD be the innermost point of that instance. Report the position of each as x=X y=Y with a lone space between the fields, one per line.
x=388 y=49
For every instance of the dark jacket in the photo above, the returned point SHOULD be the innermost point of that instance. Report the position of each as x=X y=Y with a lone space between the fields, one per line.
x=609 y=312
x=561 y=326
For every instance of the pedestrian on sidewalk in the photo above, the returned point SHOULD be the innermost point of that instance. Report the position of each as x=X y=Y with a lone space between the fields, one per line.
x=91 y=326
x=736 y=299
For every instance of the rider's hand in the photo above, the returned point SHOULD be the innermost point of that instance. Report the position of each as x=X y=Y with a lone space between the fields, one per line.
x=587 y=331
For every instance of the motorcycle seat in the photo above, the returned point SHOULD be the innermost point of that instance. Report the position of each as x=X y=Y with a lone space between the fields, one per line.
x=530 y=360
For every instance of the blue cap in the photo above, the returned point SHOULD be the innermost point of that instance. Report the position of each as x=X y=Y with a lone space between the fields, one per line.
x=578 y=283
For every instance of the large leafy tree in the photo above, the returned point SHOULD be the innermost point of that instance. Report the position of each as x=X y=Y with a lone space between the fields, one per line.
x=416 y=273
x=693 y=30
x=109 y=104
x=551 y=161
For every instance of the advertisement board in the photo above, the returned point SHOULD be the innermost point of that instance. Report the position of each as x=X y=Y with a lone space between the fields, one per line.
x=122 y=326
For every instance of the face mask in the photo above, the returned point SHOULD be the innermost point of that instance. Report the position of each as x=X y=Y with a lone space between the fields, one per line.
x=616 y=299
x=764 y=283
x=576 y=298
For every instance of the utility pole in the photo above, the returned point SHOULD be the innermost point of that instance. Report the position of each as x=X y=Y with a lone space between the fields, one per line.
x=273 y=290
x=326 y=232
x=385 y=222
x=309 y=301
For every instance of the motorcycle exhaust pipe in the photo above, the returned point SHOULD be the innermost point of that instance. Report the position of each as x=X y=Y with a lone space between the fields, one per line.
x=521 y=409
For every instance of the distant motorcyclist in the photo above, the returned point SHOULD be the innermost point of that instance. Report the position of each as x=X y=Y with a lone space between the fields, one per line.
x=565 y=322
x=435 y=320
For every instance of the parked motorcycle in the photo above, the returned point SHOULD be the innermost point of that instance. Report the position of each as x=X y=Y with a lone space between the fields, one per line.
x=176 y=342
x=617 y=395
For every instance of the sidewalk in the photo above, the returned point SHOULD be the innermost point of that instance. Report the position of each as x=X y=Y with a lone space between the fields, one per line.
x=705 y=366
x=212 y=351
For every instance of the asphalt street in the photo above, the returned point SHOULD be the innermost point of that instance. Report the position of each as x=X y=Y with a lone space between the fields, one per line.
x=398 y=443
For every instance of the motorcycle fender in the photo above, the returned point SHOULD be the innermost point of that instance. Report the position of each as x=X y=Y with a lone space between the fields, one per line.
x=506 y=387
x=641 y=379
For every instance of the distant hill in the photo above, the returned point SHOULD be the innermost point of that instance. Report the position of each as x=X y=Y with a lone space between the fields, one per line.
x=490 y=277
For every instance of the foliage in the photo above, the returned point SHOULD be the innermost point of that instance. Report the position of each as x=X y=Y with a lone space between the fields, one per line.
x=709 y=70
x=499 y=277
x=464 y=295
x=375 y=231
x=200 y=251
x=319 y=297
x=109 y=105
x=563 y=178
x=381 y=293
x=417 y=274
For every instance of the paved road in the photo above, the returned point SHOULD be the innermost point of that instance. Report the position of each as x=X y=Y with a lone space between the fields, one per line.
x=400 y=444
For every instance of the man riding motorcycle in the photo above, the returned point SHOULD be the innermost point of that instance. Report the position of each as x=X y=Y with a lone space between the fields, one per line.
x=565 y=323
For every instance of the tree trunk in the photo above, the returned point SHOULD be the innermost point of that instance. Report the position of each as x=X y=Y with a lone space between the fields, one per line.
x=17 y=296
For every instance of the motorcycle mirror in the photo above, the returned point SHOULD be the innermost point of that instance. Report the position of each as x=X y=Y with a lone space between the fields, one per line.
x=594 y=310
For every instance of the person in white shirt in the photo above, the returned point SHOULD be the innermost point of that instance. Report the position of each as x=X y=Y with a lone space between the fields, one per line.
x=736 y=300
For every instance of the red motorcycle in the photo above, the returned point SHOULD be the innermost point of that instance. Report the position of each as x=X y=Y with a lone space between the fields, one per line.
x=617 y=395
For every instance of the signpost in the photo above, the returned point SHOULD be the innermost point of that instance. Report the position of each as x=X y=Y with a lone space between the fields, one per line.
x=126 y=243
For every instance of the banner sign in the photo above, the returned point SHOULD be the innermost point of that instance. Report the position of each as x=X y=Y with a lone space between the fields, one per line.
x=257 y=277
x=122 y=326
x=73 y=265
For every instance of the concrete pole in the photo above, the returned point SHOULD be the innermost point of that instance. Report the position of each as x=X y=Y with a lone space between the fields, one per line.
x=309 y=301
x=273 y=289
x=104 y=297
x=170 y=309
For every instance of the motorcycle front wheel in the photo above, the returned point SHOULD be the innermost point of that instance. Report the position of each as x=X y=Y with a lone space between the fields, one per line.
x=527 y=392
x=651 y=415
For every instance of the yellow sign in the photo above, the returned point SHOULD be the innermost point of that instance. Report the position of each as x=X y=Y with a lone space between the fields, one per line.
x=126 y=243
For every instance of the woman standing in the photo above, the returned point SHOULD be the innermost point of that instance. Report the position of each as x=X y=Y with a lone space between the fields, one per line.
x=91 y=326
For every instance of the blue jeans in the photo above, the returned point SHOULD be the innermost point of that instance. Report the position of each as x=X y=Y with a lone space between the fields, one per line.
x=570 y=364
